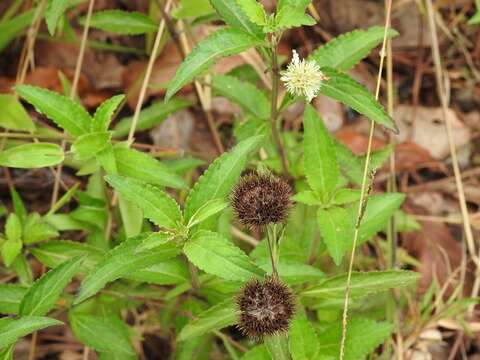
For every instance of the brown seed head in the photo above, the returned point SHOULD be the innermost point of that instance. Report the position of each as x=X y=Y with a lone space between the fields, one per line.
x=261 y=199
x=265 y=307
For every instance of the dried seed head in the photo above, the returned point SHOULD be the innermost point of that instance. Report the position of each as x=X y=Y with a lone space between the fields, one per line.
x=260 y=199
x=265 y=308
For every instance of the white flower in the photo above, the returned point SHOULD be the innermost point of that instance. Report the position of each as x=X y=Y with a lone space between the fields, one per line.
x=303 y=78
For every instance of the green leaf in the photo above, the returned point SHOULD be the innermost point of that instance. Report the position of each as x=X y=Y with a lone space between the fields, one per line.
x=307 y=197
x=230 y=12
x=336 y=227
x=103 y=114
x=291 y=271
x=259 y=352
x=66 y=113
x=122 y=22
x=36 y=229
x=46 y=291
x=254 y=10
x=320 y=162
x=141 y=166
x=132 y=217
x=18 y=205
x=192 y=8
x=14 y=116
x=121 y=261
x=243 y=93
x=224 y=42
x=475 y=19
x=345 y=51
x=380 y=208
x=215 y=318
x=31 y=156
x=13 y=228
x=170 y=272
x=291 y=13
x=363 y=336
x=10 y=297
x=154 y=240
x=88 y=145
x=157 y=206
x=346 y=196
x=362 y=284
x=9 y=29
x=10 y=250
x=102 y=334
x=343 y=88
x=208 y=209
x=151 y=116
x=13 y=329
x=217 y=181
x=214 y=254
x=54 y=11
x=53 y=253
x=304 y=343
x=277 y=346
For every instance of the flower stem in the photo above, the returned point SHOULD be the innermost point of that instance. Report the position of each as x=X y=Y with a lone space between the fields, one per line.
x=272 y=246
x=274 y=107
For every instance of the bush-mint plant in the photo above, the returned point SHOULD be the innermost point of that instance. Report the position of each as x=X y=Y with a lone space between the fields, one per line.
x=178 y=251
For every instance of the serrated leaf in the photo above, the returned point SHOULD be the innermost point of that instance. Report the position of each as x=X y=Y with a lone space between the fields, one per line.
x=277 y=346
x=170 y=272
x=113 y=339
x=215 y=318
x=32 y=156
x=155 y=239
x=9 y=29
x=122 y=22
x=45 y=292
x=192 y=8
x=345 y=51
x=13 y=115
x=254 y=10
x=66 y=113
x=88 y=145
x=36 y=229
x=53 y=253
x=320 y=161
x=218 y=180
x=380 y=208
x=10 y=297
x=53 y=12
x=208 y=209
x=291 y=271
x=13 y=228
x=10 y=250
x=230 y=12
x=307 y=197
x=304 y=344
x=13 y=329
x=336 y=227
x=224 y=42
x=363 y=336
x=157 y=206
x=151 y=116
x=141 y=166
x=120 y=261
x=362 y=283
x=259 y=352
x=103 y=114
x=243 y=93
x=343 y=88
x=346 y=196
x=291 y=13
x=216 y=255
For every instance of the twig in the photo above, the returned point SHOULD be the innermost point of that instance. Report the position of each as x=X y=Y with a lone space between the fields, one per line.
x=453 y=153
x=364 y=189
x=73 y=91
x=274 y=108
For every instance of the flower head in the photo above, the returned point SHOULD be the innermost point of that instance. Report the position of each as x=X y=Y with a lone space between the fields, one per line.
x=261 y=199
x=265 y=308
x=303 y=78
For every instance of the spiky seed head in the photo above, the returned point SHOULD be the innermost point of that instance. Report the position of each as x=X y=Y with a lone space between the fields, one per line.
x=261 y=199
x=266 y=308
x=302 y=77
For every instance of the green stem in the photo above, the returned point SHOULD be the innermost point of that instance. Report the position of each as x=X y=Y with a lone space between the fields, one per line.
x=274 y=108
x=272 y=246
